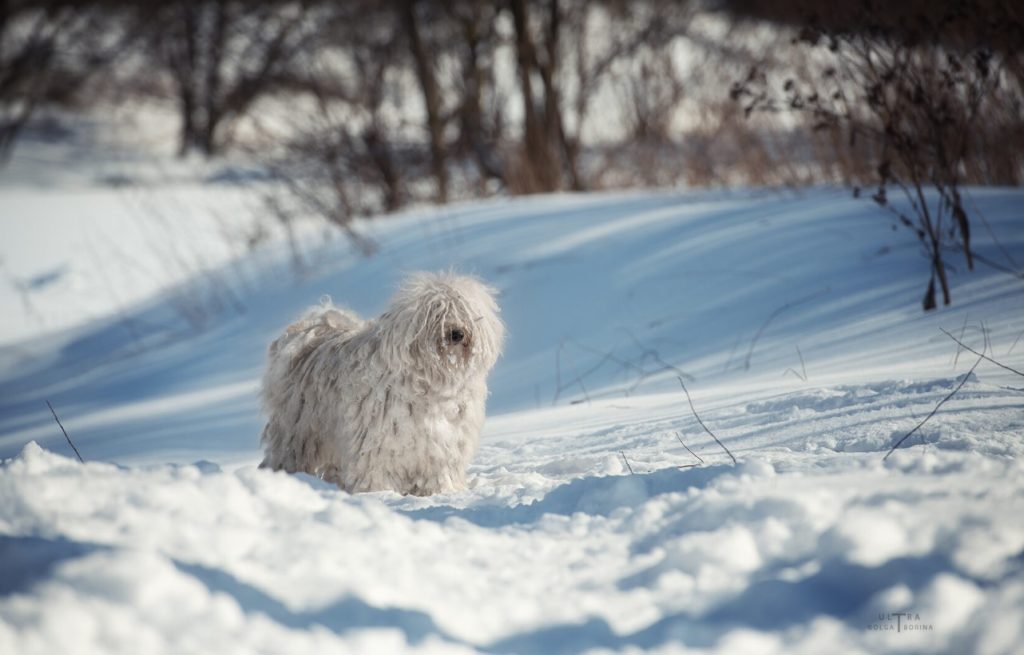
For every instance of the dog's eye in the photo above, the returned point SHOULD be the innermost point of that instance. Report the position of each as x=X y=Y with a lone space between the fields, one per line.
x=456 y=335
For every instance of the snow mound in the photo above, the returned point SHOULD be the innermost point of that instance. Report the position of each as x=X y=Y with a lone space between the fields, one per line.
x=788 y=551
x=601 y=515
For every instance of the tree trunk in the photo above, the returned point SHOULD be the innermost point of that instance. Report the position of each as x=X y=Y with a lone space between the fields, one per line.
x=471 y=137
x=212 y=92
x=553 y=123
x=542 y=173
x=182 y=57
x=431 y=97
x=390 y=181
x=187 y=132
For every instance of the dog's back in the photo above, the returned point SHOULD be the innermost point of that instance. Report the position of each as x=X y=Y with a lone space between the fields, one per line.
x=282 y=390
x=312 y=327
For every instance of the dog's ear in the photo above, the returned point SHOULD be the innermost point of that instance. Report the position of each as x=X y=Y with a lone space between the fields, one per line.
x=392 y=338
x=485 y=317
x=405 y=329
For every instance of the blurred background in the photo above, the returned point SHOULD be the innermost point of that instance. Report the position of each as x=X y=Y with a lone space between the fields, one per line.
x=231 y=125
x=358 y=108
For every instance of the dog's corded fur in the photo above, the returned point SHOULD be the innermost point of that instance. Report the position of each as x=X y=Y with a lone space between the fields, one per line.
x=393 y=403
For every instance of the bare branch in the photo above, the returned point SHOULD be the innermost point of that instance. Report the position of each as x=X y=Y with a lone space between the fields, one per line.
x=699 y=458
x=963 y=329
x=802 y=376
x=982 y=355
x=70 y=443
x=623 y=453
x=932 y=413
x=1015 y=341
x=697 y=416
x=775 y=314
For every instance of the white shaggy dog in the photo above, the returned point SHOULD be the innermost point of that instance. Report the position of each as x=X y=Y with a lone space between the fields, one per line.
x=393 y=403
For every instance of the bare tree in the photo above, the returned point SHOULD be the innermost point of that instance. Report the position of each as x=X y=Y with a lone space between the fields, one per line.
x=222 y=56
x=539 y=166
x=566 y=51
x=343 y=158
x=917 y=93
x=637 y=38
x=480 y=131
x=49 y=50
x=652 y=94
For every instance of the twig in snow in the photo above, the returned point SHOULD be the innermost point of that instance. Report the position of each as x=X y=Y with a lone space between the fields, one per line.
x=961 y=344
x=699 y=458
x=775 y=314
x=731 y=353
x=639 y=367
x=656 y=356
x=988 y=226
x=70 y=443
x=578 y=379
x=963 y=329
x=608 y=356
x=697 y=416
x=623 y=453
x=802 y=367
x=941 y=402
x=1014 y=344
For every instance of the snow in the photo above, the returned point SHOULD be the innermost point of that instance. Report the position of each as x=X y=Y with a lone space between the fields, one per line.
x=794 y=320
x=700 y=556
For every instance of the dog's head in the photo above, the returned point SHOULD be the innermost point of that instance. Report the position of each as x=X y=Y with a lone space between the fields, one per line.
x=445 y=327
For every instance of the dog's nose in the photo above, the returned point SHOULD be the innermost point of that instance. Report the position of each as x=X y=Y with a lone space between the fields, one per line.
x=457 y=335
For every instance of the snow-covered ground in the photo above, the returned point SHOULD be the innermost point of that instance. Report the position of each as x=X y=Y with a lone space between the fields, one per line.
x=602 y=517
